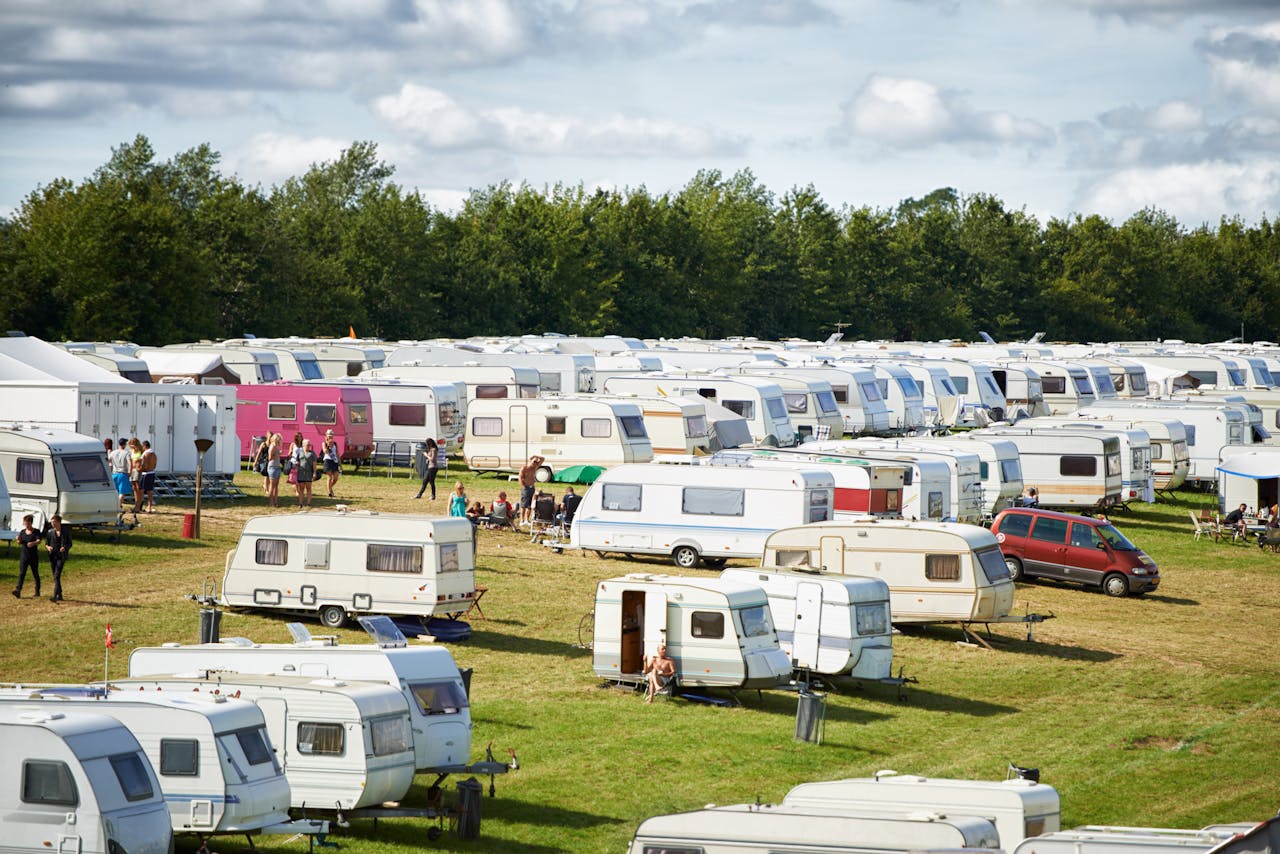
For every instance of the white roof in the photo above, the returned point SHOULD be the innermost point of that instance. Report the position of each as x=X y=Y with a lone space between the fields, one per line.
x=28 y=358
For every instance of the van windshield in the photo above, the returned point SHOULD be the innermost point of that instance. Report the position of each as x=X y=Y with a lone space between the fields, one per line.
x=1115 y=539
x=439 y=698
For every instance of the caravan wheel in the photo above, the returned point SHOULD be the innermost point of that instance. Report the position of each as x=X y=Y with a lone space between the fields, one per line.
x=543 y=474
x=333 y=617
x=685 y=557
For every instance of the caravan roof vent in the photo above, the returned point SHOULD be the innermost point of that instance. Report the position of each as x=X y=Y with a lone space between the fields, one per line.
x=235 y=642
x=39 y=717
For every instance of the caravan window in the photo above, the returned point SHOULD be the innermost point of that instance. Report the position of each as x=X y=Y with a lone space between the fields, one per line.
x=633 y=427
x=777 y=409
x=491 y=392
x=797 y=403
x=282 y=411
x=1138 y=383
x=819 y=505
x=407 y=414
x=271 y=552
x=1053 y=385
x=872 y=618
x=384 y=558
x=1076 y=466
x=48 y=783
x=179 y=757
x=992 y=561
x=706 y=624
x=990 y=383
x=621 y=496
x=935 y=505
x=791 y=557
x=439 y=698
x=486 y=426
x=30 y=471
x=1113 y=465
x=1010 y=471
x=755 y=621
x=910 y=389
x=84 y=469
x=389 y=735
x=131 y=771
x=317 y=739
x=961 y=384
x=871 y=392
x=695 y=426
x=745 y=408
x=840 y=393
x=556 y=425
x=1191 y=435
x=1082 y=384
x=826 y=403
x=323 y=413
x=942 y=567
x=596 y=428
x=529 y=392
x=357 y=413
x=447 y=412
x=253 y=741
x=711 y=501
x=448 y=557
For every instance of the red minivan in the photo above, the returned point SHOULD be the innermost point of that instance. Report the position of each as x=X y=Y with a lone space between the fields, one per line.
x=1065 y=547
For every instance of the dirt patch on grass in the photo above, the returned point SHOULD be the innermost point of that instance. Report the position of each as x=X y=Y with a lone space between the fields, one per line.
x=1169 y=744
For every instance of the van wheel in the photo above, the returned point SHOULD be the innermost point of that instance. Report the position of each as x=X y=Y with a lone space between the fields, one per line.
x=1115 y=585
x=1015 y=567
x=333 y=617
x=715 y=562
x=543 y=474
x=685 y=557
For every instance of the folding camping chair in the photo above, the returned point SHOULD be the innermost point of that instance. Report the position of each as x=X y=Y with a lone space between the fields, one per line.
x=543 y=520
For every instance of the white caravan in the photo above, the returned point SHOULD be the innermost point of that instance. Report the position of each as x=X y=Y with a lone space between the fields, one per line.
x=963 y=466
x=857 y=397
x=943 y=404
x=484 y=382
x=565 y=431
x=343 y=745
x=1137 y=479
x=1066 y=386
x=1170 y=461
x=1250 y=477
x=1212 y=427
x=407 y=411
x=757 y=400
x=1019 y=808
x=214 y=761
x=811 y=404
x=1067 y=469
x=676 y=425
x=558 y=373
x=984 y=402
x=1023 y=392
x=902 y=394
x=336 y=564
x=56 y=471
x=1091 y=839
x=426 y=675
x=936 y=571
x=78 y=783
x=1127 y=377
x=696 y=513
x=750 y=828
x=250 y=365
x=837 y=626
x=926 y=485
x=718 y=632
x=999 y=467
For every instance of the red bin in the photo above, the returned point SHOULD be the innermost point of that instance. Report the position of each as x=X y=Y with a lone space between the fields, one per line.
x=189 y=526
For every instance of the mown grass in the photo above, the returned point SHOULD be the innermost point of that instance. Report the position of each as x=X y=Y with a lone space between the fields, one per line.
x=1155 y=711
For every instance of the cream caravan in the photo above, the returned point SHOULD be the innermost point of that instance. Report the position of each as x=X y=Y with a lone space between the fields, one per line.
x=676 y=425
x=758 y=400
x=57 y=471
x=719 y=632
x=1068 y=469
x=484 y=382
x=565 y=431
x=336 y=564
x=936 y=571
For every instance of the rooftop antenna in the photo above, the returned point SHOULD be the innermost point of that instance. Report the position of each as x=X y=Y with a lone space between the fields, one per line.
x=986 y=339
x=1036 y=339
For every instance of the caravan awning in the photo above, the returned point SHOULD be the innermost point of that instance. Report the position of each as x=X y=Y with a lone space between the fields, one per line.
x=1253 y=465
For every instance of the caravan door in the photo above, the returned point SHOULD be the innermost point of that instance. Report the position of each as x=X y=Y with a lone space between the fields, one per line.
x=831 y=554
x=804 y=650
x=518 y=435
x=655 y=621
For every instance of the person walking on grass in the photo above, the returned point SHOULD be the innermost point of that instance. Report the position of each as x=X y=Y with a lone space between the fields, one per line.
x=305 y=466
x=58 y=541
x=29 y=554
x=331 y=458
x=430 y=468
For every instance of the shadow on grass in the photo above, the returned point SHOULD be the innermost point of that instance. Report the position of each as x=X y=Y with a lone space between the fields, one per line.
x=500 y=642
x=1169 y=600
x=1004 y=643
x=930 y=701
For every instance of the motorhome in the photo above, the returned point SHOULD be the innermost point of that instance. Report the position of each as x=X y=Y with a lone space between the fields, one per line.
x=718 y=632
x=861 y=399
x=676 y=425
x=56 y=471
x=744 y=828
x=425 y=674
x=484 y=382
x=1211 y=428
x=404 y=412
x=1067 y=469
x=312 y=410
x=1091 y=839
x=502 y=435
x=343 y=745
x=78 y=783
x=696 y=514
x=757 y=400
x=936 y=571
x=216 y=770
x=333 y=565
x=1019 y=808
x=829 y=625
x=558 y=373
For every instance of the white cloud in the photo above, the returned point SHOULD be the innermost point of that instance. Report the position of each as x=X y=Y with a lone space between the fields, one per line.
x=433 y=119
x=1194 y=193
x=909 y=112
x=1245 y=62
x=58 y=98
x=273 y=158
x=1176 y=116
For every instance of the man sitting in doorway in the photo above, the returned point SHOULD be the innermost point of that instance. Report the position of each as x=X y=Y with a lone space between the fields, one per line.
x=658 y=671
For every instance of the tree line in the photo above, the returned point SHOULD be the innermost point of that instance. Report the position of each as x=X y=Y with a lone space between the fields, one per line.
x=158 y=252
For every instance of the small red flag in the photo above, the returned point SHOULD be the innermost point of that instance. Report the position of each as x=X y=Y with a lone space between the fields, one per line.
x=110 y=643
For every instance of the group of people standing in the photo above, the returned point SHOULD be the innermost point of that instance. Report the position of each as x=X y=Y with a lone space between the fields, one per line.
x=300 y=465
x=133 y=471
x=56 y=539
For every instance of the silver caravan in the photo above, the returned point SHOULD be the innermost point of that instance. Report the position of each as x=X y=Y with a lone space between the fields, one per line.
x=751 y=828
x=811 y=404
x=1170 y=460
x=1000 y=467
x=1019 y=808
x=216 y=769
x=757 y=400
x=1137 y=480
x=1127 y=840
x=830 y=625
x=858 y=397
x=484 y=382
x=1023 y=392
x=984 y=402
x=336 y=564
x=719 y=632
x=1066 y=386
x=937 y=572
x=343 y=745
x=558 y=373
x=57 y=471
x=1211 y=427
x=425 y=674
x=78 y=783
x=676 y=425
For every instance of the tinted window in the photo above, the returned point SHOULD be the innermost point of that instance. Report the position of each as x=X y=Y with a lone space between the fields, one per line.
x=1084 y=536
x=826 y=402
x=1075 y=466
x=85 y=469
x=777 y=409
x=961 y=384
x=179 y=757
x=131 y=771
x=407 y=415
x=909 y=387
x=389 y=735
x=321 y=413
x=1118 y=541
x=1015 y=524
x=745 y=408
x=1053 y=385
x=755 y=621
x=439 y=698
x=706 y=624
x=1050 y=530
x=48 y=783
x=633 y=427
x=253 y=742
x=993 y=565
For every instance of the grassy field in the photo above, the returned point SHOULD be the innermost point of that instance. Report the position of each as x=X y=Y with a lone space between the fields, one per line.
x=1161 y=711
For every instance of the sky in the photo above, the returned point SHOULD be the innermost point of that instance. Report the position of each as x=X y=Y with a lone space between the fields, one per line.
x=1056 y=107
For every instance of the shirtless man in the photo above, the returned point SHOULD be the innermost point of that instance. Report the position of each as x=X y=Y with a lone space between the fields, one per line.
x=528 y=478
